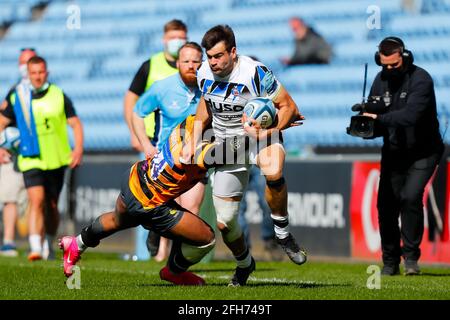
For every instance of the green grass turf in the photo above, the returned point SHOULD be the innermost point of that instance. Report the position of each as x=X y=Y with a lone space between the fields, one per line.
x=105 y=276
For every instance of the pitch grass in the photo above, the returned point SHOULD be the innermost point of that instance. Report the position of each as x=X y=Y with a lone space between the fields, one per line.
x=105 y=276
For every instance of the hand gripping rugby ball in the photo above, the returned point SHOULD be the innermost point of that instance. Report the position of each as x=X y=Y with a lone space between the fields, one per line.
x=262 y=110
x=10 y=138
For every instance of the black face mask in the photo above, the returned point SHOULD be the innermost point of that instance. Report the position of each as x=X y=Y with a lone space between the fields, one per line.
x=395 y=74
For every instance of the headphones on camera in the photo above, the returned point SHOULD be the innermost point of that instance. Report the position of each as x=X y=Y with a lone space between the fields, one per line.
x=407 y=55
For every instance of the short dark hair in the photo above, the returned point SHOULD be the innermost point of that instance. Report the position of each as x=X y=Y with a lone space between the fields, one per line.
x=37 y=60
x=391 y=45
x=193 y=45
x=175 y=24
x=27 y=49
x=217 y=34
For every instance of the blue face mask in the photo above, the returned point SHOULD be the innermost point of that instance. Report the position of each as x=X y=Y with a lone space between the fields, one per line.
x=23 y=70
x=174 y=45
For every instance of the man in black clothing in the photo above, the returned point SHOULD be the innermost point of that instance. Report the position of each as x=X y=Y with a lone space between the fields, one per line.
x=412 y=149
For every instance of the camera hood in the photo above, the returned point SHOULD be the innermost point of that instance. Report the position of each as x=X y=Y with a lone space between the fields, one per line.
x=362 y=127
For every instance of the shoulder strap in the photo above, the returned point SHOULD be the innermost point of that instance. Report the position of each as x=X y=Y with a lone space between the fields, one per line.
x=24 y=96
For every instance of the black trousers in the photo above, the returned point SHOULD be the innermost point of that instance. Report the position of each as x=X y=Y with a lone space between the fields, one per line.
x=400 y=193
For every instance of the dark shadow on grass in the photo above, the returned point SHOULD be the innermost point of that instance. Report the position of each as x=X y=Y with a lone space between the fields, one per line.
x=228 y=270
x=434 y=274
x=291 y=284
x=168 y=285
x=300 y=285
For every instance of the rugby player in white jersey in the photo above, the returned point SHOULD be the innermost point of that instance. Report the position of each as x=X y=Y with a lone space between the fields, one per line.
x=227 y=82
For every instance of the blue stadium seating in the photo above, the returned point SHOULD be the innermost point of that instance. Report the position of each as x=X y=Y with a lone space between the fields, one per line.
x=96 y=63
x=16 y=10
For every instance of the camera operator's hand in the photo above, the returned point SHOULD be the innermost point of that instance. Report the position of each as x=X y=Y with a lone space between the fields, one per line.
x=371 y=115
x=357 y=107
x=375 y=105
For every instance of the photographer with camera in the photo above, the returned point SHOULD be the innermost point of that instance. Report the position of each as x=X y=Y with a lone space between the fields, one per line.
x=402 y=104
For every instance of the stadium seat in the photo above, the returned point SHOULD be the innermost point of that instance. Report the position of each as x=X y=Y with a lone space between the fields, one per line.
x=106 y=136
x=96 y=63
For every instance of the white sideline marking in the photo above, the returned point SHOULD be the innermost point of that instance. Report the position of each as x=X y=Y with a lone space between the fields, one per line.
x=268 y=280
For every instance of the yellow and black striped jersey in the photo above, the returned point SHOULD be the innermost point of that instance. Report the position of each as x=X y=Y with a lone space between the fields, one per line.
x=162 y=178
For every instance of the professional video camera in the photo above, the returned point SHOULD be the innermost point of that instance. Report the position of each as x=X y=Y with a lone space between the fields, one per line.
x=363 y=126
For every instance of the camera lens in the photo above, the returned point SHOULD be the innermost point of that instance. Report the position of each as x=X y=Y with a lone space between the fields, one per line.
x=362 y=126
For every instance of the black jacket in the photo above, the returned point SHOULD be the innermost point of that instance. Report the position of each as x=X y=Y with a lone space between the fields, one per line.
x=410 y=124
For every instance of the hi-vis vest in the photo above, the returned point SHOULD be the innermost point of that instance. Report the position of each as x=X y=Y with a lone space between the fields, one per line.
x=159 y=69
x=51 y=129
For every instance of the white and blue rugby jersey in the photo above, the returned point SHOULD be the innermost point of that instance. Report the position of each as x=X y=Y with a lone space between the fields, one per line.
x=226 y=97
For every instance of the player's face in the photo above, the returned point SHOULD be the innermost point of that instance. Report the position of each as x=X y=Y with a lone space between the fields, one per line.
x=174 y=34
x=188 y=62
x=220 y=60
x=37 y=72
x=25 y=56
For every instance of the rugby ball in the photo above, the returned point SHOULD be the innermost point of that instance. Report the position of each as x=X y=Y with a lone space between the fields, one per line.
x=262 y=110
x=10 y=138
